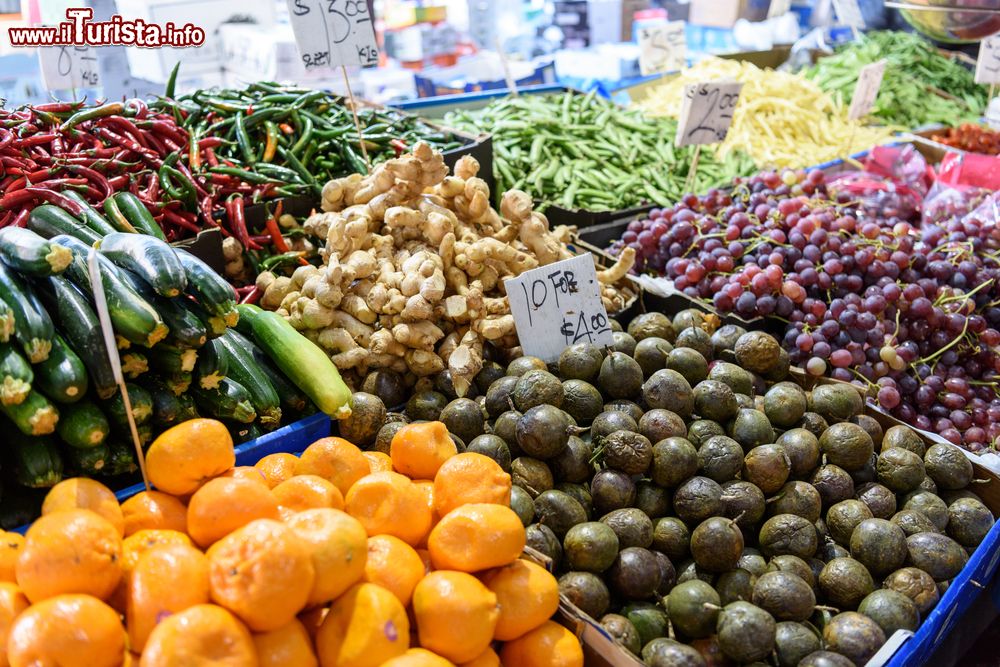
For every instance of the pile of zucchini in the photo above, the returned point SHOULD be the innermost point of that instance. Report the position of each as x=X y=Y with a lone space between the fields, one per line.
x=173 y=319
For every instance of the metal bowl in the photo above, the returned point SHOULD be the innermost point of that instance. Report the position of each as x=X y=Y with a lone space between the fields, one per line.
x=952 y=21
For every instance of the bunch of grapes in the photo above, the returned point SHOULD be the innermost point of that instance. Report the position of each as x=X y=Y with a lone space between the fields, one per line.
x=868 y=293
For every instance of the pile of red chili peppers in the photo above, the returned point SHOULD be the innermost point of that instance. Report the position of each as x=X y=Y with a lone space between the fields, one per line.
x=50 y=151
x=971 y=138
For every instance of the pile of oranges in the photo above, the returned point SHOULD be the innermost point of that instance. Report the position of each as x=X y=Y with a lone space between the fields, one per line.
x=336 y=558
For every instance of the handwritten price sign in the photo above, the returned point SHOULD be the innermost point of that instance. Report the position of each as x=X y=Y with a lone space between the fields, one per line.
x=866 y=90
x=331 y=33
x=707 y=112
x=558 y=305
x=69 y=67
x=988 y=62
x=662 y=47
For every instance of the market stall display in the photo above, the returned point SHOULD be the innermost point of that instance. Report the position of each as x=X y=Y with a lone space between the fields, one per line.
x=969 y=137
x=579 y=151
x=781 y=119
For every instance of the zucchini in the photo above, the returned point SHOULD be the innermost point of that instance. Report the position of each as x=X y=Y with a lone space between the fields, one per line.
x=146 y=434
x=91 y=216
x=167 y=408
x=211 y=289
x=6 y=322
x=87 y=462
x=62 y=377
x=136 y=214
x=134 y=364
x=35 y=415
x=80 y=326
x=142 y=406
x=242 y=433
x=178 y=383
x=188 y=408
x=242 y=368
x=121 y=460
x=215 y=325
x=292 y=398
x=299 y=359
x=131 y=316
x=26 y=252
x=16 y=376
x=230 y=400
x=184 y=325
x=83 y=425
x=37 y=463
x=150 y=258
x=172 y=360
x=212 y=364
x=32 y=326
x=49 y=221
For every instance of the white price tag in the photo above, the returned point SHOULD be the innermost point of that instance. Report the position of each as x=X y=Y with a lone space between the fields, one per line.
x=866 y=90
x=331 y=33
x=849 y=13
x=778 y=8
x=988 y=62
x=662 y=47
x=558 y=305
x=707 y=112
x=69 y=67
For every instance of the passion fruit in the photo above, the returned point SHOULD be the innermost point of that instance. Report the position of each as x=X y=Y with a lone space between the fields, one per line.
x=698 y=499
x=836 y=402
x=573 y=465
x=697 y=339
x=671 y=537
x=674 y=461
x=581 y=494
x=487 y=375
x=879 y=545
x=880 y=500
x=590 y=547
x=542 y=539
x=751 y=429
x=622 y=631
x=915 y=584
x=743 y=502
x=522 y=365
x=714 y=400
x=522 y=504
x=650 y=621
x=802 y=448
x=383 y=441
x=587 y=591
x=693 y=608
x=948 y=467
x=716 y=544
x=689 y=363
x=628 y=452
x=691 y=317
x=725 y=337
x=905 y=438
x=833 y=483
x=844 y=517
x=426 y=406
x=825 y=659
x=753 y=562
x=388 y=385
x=900 y=470
x=746 y=632
x=631 y=408
x=845 y=582
x=581 y=361
x=635 y=574
x=788 y=534
x=793 y=642
x=367 y=417
x=631 y=525
x=891 y=611
x=757 y=351
x=784 y=595
x=912 y=522
x=464 y=418
x=767 y=467
x=651 y=354
x=492 y=446
x=738 y=379
x=969 y=520
x=659 y=424
x=582 y=400
x=669 y=390
x=623 y=342
x=537 y=387
x=799 y=498
x=543 y=432
x=532 y=475
x=648 y=325
x=652 y=499
x=936 y=554
x=793 y=565
x=854 y=636
x=700 y=430
x=620 y=376
x=930 y=505
x=735 y=585
x=847 y=445
x=720 y=458
x=784 y=404
x=813 y=423
x=498 y=395
x=664 y=652
x=611 y=490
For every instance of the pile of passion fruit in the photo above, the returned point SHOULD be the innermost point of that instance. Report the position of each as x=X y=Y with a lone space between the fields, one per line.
x=701 y=506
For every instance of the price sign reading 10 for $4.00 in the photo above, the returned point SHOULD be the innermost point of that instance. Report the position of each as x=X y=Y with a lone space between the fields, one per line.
x=331 y=33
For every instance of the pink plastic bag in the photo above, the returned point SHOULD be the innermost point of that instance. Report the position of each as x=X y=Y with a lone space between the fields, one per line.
x=970 y=169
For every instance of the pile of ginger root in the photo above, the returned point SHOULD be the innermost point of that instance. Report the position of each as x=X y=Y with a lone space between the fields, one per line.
x=414 y=264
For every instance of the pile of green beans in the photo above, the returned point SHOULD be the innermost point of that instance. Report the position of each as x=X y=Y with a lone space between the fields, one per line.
x=296 y=136
x=582 y=152
x=921 y=86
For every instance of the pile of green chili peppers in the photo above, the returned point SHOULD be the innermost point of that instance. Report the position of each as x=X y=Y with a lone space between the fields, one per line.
x=583 y=152
x=920 y=87
x=298 y=137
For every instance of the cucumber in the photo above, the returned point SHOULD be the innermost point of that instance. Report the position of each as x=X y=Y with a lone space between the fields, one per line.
x=49 y=221
x=170 y=360
x=215 y=325
x=136 y=214
x=211 y=289
x=32 y=326
x=16 y=376
x=299 y=359
x=83 y=425
x=142 y=406
x=242 y=368
x=37 y=463
x=131 y=316
x=134 y=364
x=188 y=409
x=87 y=462
x=91 y=216
x=212 y=364
x=292 y=398
x=178 y=383
x=6 y=322
x=26 y=252
x=82 y=331
x=230 y=400
x=121 y=460
x=150 y=258
x=62 y=377
x=35 y=415
x=184 y=325
x=242 y=433
x=167 y=408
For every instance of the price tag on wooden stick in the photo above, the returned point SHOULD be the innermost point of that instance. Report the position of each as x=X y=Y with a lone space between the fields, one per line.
x=69 y=67
x=988 y=62
x=331 y=33
x=558 y=305
x=778 y=8
x=866 y=90
x=849 y=13
x=662 y=47
x=707 y=112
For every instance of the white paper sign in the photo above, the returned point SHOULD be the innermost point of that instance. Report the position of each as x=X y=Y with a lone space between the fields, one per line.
x=866 y=90
x=331 y=33
x=778 y=8
x=69 y=67
x=849 y=13
x=558 y=305
x=988 y=62
x=662 y=47
x=707 y=112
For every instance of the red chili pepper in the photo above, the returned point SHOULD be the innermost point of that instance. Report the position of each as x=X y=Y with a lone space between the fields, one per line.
x=209 y=142
x=271 y=222
x=286 y=128
x=178 y=220
x=181 y=167
x=262 y=239
x=126 y=128
x=58 y=107
x=37 y=140
x=6 y=218
x=21 y=219
x=210 y=157
x=399 y=145
x=253 y=296
x=60 y=183
x=118 y=182
x=99 y=180
x=17 y=185
x=117 y=139
x=12 y=199
x=153 y=187
x=6 y=138
x=237 y=218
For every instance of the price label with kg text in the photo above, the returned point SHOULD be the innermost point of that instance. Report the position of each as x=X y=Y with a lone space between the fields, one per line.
x=69 y=67
x=662 y=47
x=331 y=33
x=707 y=112
x=866 y=90
x=558 y=305
x=988 y=62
